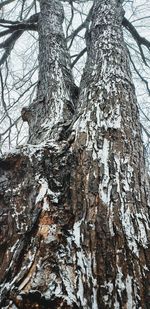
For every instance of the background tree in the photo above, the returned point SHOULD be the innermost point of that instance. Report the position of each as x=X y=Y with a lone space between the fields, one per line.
x=74 y=200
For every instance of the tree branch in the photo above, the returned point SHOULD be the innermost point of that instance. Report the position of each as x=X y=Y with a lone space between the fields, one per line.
x=5 y=3
x=139 y=39
x=18 y=29
x=29 y=24
x=78 y=57
x=138 y=73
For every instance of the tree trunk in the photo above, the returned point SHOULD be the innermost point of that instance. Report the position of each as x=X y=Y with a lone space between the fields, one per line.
x=75 y=227
x=51 y=112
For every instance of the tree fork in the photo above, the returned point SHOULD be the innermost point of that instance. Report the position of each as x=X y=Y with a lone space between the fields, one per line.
x=76 y=210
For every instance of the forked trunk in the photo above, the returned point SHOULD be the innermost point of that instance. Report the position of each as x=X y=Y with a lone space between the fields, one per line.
x=75 y=228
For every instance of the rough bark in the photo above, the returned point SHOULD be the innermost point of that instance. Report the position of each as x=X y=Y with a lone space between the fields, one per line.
x=75 y=218
x=108 y=135
x=57 y=94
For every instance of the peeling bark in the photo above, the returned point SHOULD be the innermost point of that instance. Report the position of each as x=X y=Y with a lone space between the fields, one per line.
x=75 y=230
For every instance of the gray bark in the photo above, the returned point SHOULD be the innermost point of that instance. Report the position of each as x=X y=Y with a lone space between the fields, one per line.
x=57 y=94
x=75 y=218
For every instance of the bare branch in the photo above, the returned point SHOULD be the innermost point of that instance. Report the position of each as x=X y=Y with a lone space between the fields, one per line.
x=139 y=39
x=138 y=73
x=17 y=30
x=5 y=3
x=78 y=57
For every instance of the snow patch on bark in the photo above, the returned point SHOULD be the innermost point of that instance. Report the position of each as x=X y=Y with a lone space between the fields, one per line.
x=103 y=187
x=46 y=191
x=85 y=263
x=43 y=190
x=113 y=121
x=129 y=289
x=108 y=286
x=77 y=233
x=142 y=221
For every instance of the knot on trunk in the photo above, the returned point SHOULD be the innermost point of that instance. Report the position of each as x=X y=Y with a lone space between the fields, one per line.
x=26 y=114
